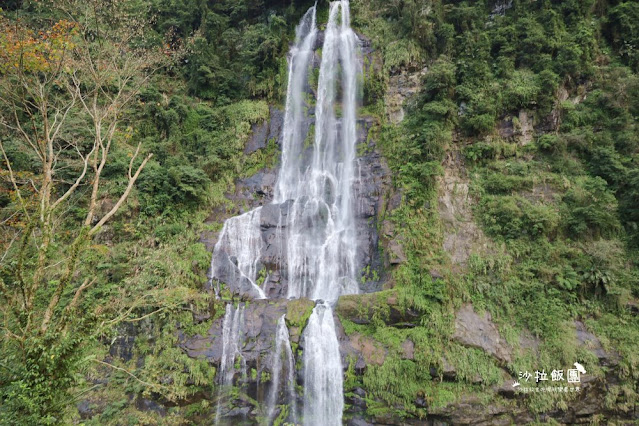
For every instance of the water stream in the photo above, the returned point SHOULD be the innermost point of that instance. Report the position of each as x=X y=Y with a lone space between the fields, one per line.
x=231 y=352
x=283 y=358
x=317 y=237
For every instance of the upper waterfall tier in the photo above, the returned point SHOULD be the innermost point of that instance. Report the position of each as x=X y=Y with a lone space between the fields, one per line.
x=307 y=238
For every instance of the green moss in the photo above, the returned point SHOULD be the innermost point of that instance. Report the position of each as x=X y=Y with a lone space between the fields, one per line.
x=298 y=312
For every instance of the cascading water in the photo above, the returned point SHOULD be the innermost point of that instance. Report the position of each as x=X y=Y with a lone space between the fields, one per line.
x=323 y=393
x=287 y=187
x=321 y=241
x=316 y=228
x=282 y=350
x=231 y=350
x=237 y=252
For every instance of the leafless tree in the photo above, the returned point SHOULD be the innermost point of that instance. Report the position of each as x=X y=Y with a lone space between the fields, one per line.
x=63 y=95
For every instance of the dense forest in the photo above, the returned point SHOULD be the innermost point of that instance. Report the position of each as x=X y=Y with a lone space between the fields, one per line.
x=508 y=130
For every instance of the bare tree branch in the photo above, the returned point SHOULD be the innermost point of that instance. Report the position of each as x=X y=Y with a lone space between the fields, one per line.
x=123 y=197
x=13 y=181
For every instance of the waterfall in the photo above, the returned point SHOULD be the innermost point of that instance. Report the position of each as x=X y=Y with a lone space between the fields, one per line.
x=316 y=232
x=282 y=350
x=321 y=240
x=323 y=393
x=237 y=252
x=302 y=52
x=231 y=351
x=322 y=258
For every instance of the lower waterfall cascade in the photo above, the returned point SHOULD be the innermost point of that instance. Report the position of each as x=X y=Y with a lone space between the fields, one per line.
x=314 y=241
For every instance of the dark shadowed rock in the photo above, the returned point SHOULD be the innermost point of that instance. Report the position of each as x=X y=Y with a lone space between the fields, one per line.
x=275 y=125
x=260 y=323
x=122 y=345
x=506 y=128
x=449 y=372
x=266 y=131
x=144 y=404
x=358 y=421
x=258 y=332
x=357 y=400
x=258 y=138
x=88 y=408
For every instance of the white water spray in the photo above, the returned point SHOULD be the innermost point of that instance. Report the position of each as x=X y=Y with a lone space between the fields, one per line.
x=237 y=252
x=323 y=393
x=302 y=52
x=283 y=358
x=318 y=234
x=231 y=351
x=322 y=243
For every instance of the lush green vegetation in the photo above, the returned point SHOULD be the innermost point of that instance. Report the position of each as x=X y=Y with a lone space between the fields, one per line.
x=209 y=71
x=558 y=207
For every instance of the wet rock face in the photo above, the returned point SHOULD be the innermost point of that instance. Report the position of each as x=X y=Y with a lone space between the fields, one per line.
x=122 y=346
x=257 y=345
x=372 y=184
x=268 y=130
x=260 y=323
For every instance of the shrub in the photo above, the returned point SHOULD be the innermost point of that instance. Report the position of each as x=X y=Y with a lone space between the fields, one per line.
x=513 y=217
x=497 y=183
x=622 y=30
x=521 y=90
x=591 y=209
x=551 y=143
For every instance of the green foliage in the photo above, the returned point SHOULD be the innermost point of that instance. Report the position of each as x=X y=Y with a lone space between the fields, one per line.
x=199 y=150
x=622 y=30
x=397 y=382
x=514 y=217
x=554 y=211
x=236 y=49
x=35 y=390
x=591 y=209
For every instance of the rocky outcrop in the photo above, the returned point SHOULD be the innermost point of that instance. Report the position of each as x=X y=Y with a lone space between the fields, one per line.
x=361 y=308
x=478 y=331
x=592 y=343
x=402 y=86
x=462 y=236
x=266 y=131
x=473 y=410
x=371 y=189
x=260 y=323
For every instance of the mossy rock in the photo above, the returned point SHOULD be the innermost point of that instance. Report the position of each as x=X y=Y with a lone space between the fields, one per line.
x=298 y=312
x=364 y=308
